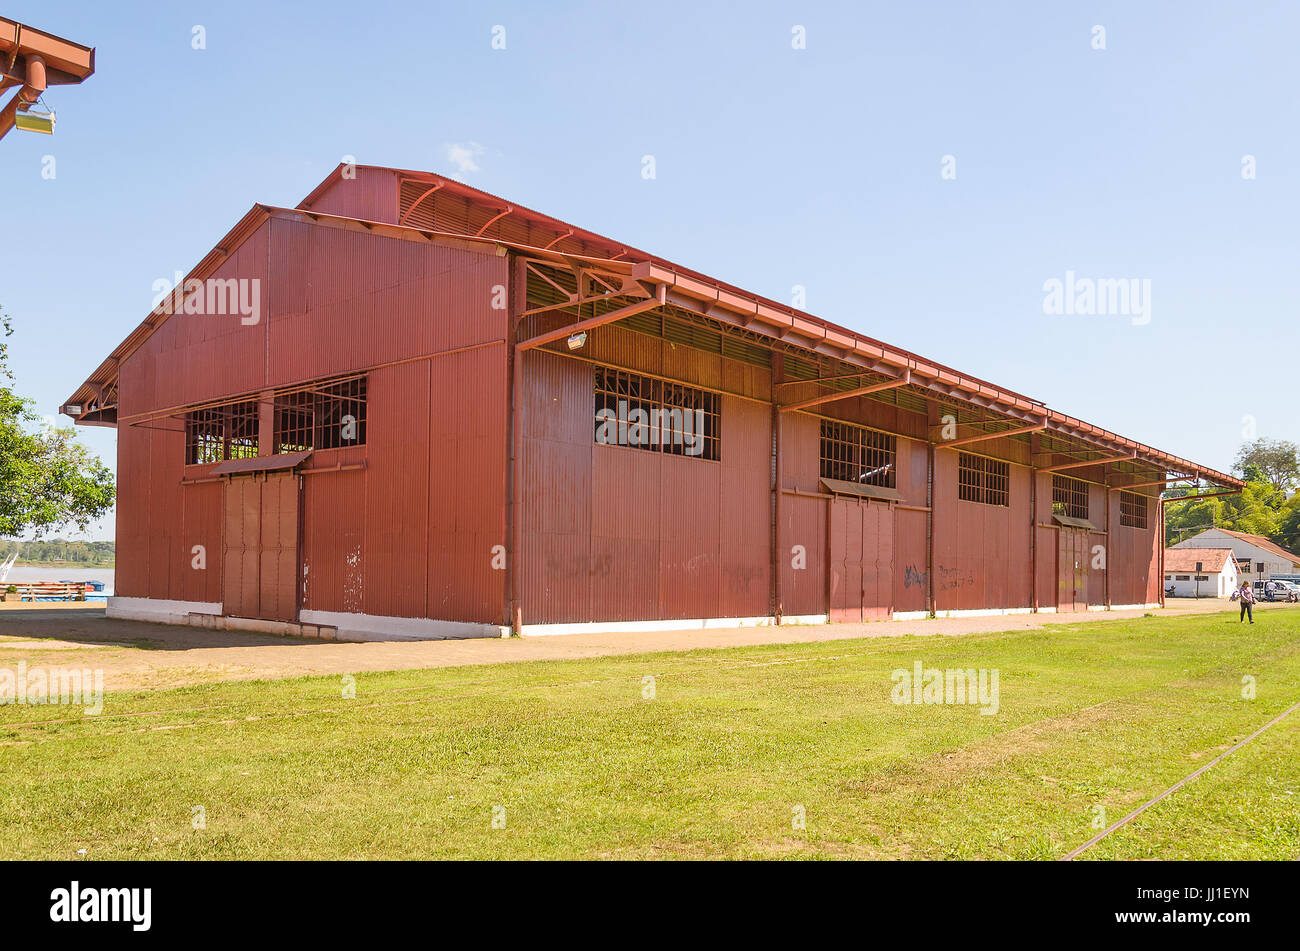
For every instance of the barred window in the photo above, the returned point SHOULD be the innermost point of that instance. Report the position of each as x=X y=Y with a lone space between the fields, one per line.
x=221 y=433
x=654 y=415
x=1133 y=510
x=857 y=454
x=1069 y=497
x=980 y=479
x=324 y=416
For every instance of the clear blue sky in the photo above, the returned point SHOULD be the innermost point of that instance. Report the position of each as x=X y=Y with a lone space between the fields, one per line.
x=775 y=167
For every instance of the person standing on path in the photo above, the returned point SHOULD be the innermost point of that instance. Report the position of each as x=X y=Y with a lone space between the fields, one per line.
x=1247 y=599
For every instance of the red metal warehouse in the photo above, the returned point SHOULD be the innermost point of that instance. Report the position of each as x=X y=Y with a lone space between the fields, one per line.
x=410 y=408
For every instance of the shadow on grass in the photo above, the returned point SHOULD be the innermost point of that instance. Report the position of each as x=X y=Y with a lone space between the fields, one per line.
x=82 y=624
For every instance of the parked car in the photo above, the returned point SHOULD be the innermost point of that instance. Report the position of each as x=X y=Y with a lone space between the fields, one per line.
x=1292 y=589
x=1277 y=591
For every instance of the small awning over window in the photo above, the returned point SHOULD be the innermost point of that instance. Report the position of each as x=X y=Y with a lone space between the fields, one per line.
x=1075 y=522
x=276 y=463
x=861 y=490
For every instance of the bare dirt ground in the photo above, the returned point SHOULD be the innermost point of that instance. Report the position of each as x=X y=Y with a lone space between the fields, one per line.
x=134 y=654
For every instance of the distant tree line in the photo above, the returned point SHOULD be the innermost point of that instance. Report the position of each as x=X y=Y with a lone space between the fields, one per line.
x=1269 y=505
x=57 y=550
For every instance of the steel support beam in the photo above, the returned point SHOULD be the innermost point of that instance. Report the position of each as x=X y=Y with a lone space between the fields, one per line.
x=1146 y=485
x=416 y=204
x=967 y=440
x=905 y=379
x=491 y=221
x=1197 y=498
x=591 y=322
x=830 y=379
x=1079 y=464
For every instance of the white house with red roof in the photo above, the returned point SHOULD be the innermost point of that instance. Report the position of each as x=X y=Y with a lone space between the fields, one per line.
x=1258 y=559
x=1200 y=572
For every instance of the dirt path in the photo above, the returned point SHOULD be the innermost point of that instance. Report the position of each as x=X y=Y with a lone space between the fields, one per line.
x=134 y=654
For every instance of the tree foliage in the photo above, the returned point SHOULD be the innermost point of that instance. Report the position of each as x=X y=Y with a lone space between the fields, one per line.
x=47 y=478
x=1277 y=462
x=1268 y=505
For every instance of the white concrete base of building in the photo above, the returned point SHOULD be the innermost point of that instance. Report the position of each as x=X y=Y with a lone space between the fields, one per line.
x=374 y=627
x=692 y=624
x=255 y=625
x=336 y=625
x=981 y=612
x=157 y=610
x=1004 y=612
x=324 y=625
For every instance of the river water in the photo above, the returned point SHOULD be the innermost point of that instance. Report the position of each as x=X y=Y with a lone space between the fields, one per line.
x=20 y=573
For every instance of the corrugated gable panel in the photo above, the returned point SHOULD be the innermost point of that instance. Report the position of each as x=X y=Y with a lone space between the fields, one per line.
x=356 y=300
x=368 y=193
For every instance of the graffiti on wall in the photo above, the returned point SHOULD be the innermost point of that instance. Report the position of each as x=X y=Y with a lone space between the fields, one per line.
x=946 y=579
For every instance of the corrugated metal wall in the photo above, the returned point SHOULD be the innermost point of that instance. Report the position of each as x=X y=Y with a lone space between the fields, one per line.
x=333 y=541
x=803 y=555
x=410 y=535
x=614 y=533
x=981 y=552
x=1134 y=557
x=910 y=522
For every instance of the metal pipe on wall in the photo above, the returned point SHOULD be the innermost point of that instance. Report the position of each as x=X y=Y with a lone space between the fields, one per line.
x=931 y=606
x=516 y=450
x=1161 y=539
x=1033 y=538
x=776 y=514
x=516 y=493
x=778 y=485
x=1106 y=564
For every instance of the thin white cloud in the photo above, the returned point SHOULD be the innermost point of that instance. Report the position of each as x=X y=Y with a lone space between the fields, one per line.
x=464 y=156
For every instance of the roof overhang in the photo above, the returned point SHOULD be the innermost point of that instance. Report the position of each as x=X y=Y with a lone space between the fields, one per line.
x=66 y=63
x=1071 y=522
x=276 y=463
x=626 y=278
x=861 y=490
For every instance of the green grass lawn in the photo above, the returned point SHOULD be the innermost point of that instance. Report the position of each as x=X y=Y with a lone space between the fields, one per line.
x=1093 y=715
